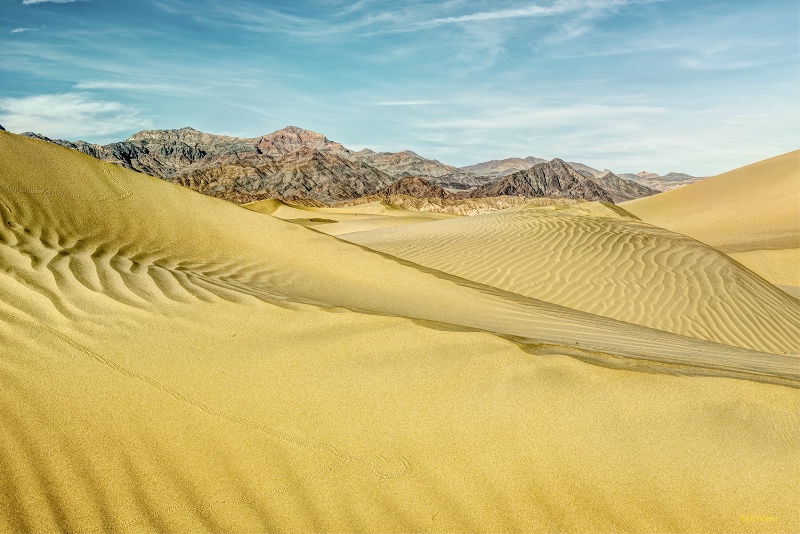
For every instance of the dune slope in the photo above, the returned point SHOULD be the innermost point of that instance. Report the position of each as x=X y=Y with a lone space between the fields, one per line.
x=172 y=362
x=751 y=213
x=591 y=257
x=754 y=207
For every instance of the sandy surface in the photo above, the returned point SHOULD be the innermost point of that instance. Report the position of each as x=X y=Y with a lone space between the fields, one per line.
x=172 y=362
x=596 y=258
x=752 y=213
x=335 y=221
x=754 y=207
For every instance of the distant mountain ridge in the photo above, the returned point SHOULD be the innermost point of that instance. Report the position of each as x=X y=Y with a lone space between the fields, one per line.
x=297 y=163
x=498 y=168
x=666 y=182
x=550 y=179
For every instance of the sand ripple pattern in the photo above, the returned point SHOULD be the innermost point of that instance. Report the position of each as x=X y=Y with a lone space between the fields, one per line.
x=617 y=268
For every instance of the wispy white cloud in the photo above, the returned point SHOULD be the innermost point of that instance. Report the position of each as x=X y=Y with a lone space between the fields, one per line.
x=406 y=103
x=399 y=19
x=68 y=115
x=560 y=7
x=29 y=2
x=128 y=86
x=22 y=30
x=728 y=57
x=510 y=116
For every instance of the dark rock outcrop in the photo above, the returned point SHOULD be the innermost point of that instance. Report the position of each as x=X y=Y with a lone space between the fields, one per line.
x=415 y=186
x=622 y=190
x=552 y=179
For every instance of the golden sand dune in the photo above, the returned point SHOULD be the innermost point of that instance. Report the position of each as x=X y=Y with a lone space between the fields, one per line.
x=754 y=207
x=781 y=267
x=171 y=362
x=752 y=213
x=612 y=266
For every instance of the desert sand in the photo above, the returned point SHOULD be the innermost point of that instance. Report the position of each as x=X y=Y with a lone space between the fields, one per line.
x=751 y=213
x=335 y=221
x=173 y=362
x=597 y=258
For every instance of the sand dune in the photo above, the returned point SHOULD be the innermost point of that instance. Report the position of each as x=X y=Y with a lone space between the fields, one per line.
x=591 y=257
x=172 y=362
x=335 y=221
x=752 y=213
x=781 y=267
x=754 y=207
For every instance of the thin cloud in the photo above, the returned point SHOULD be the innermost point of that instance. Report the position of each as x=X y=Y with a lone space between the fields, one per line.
x=22 y=30
x=252 y=17
x=29 y=2
x=127 y=86
x=561 y=7
x=530 y=11
x=68 y=115
x=406 y=103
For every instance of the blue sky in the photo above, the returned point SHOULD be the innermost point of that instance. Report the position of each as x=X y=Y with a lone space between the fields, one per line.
x=671 y=85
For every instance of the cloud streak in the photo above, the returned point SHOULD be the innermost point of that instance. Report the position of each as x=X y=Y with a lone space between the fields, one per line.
x=561 y=7
x=30 y=2
x=68 y=115
x=128 y=86
x=255 y=18
x=406 y=103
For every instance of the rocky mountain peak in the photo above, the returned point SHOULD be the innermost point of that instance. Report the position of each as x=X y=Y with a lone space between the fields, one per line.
x=620 y=189
x=562 y=167
x=291 y=138
x=554 y=178
x=185 y=135
x=1 y=128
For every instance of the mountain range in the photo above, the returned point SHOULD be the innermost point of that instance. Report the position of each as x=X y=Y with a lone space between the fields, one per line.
x=294 y=163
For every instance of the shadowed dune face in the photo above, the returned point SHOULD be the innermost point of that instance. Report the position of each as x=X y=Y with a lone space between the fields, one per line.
x=612 y=266
x=171 y=362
